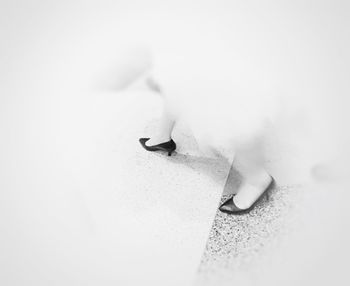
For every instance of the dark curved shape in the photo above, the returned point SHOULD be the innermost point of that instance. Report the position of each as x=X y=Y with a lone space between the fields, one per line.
x=168 y=147
x=229 y=206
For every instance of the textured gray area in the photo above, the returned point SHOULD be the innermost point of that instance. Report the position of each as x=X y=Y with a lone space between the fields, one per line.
x=237 y=243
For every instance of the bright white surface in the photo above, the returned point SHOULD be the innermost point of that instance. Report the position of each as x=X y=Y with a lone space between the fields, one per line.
x=81 y=202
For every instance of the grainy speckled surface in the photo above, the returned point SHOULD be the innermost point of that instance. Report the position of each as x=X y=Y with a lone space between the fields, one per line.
x=237 y=243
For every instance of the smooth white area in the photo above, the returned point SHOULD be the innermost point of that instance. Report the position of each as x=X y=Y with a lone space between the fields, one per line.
x=81 y=202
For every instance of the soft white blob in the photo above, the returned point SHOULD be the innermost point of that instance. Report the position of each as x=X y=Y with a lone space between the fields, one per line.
x=237 y=71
